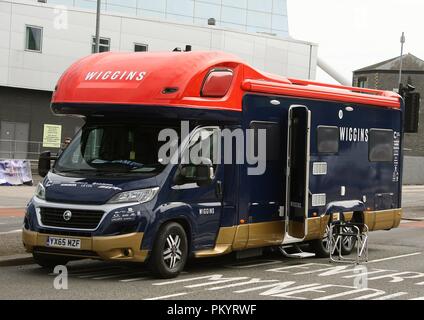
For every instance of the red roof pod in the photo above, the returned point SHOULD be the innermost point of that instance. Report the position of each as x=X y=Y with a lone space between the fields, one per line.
x=177 y=79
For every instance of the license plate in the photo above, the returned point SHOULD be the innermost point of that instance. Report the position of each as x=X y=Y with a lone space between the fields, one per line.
x=58 y=242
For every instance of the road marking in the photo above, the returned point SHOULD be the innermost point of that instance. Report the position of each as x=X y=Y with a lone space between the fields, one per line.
x=241 y=266
x=117 y=275
x=395 y=257
x=11 y=232
x=98 y=274
x=391 y=296
x=133 y=279
x=168 y=296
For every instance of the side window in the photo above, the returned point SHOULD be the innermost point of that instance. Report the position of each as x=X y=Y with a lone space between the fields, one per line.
x=204 y=146
x=34 y=38
x=273 y=140
x=328 y=139
x=380 y=145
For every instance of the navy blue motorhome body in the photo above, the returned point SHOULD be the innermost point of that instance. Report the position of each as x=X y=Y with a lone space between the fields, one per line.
x=110 y=195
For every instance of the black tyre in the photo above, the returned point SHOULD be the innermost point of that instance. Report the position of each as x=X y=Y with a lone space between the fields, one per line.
x=170 y=250
x=321 y=246
x=49 y=261
x=348 y=243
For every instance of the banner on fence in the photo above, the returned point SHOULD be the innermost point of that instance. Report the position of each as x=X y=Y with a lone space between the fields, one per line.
x=15 y=172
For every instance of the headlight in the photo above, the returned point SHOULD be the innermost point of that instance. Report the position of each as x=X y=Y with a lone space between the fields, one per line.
x=141 y=196
x=40 y=192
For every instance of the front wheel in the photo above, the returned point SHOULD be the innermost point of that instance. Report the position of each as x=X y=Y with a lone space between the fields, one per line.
x=170 y=251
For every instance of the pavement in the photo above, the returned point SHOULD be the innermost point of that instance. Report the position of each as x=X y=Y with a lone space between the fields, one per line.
x=395 y=269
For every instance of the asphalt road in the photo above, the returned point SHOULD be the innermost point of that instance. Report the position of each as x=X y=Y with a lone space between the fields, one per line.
x=395 y=271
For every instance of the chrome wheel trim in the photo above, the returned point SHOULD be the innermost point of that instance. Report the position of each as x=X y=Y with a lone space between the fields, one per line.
x=172 y=254
x=325 y=241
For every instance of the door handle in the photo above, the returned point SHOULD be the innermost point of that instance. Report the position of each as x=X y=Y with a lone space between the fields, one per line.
x=218 y=189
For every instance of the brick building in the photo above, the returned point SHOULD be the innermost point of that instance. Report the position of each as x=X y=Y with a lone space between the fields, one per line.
x=385 y=76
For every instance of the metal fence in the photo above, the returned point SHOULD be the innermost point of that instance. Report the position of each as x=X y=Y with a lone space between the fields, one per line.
x=17 y=149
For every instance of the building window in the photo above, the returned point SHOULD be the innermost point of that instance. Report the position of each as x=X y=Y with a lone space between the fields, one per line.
x=34 y=37
x=140 y=47
x=104 y=45
x=328 y=139
x=363 y=82
x=381 y=145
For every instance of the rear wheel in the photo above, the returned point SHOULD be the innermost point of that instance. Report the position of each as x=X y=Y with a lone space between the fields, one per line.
x=169 y=254
x=321 y=247
x=348 y=243
x=49 y=261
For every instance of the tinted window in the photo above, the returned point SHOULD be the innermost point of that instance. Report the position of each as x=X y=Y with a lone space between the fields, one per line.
x=273 y=139
x=33 y=38
x=138 y=47
x=381 y=145
x=328 y=139
x=104 y=45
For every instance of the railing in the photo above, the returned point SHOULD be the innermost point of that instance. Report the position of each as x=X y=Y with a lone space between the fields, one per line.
x=18 y=149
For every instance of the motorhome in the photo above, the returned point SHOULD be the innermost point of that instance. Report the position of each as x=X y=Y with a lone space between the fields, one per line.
x=307 y=151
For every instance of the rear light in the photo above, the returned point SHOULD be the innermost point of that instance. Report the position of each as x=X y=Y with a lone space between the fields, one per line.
x=217 y=83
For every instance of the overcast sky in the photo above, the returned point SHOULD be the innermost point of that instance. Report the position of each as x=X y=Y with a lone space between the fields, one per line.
x=356 y=33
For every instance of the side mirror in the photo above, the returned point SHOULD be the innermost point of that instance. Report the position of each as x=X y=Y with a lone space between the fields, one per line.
x=202 y=174
x=44 y=163
x=412 y=110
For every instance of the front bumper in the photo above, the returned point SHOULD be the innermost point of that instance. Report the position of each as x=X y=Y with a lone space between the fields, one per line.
x=124 y=247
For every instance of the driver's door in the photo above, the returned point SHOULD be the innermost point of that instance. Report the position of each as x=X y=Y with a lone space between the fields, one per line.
x=205 y=200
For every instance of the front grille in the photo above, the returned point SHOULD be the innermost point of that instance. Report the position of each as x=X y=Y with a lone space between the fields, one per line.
x=81 y=219
x=68 y=233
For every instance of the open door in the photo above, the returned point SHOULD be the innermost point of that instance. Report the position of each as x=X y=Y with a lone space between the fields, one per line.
x=297 y=172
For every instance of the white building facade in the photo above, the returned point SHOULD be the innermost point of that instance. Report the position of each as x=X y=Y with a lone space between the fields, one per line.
x=38 y=41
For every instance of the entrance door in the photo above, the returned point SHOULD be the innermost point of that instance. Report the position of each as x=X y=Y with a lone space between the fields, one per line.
x=297 y=171
x=14 y=140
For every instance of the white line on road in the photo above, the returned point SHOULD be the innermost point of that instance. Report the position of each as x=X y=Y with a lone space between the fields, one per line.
x=391 y=296
x=259 y=264
x=125 y=274
x=395 y=257
x=133 y=279
x=11 y=232
x=168 y=296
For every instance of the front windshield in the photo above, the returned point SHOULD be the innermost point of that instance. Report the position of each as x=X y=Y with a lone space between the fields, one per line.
x=113 y=149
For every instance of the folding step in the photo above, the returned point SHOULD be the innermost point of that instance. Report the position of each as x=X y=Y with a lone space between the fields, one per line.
x=298 y=254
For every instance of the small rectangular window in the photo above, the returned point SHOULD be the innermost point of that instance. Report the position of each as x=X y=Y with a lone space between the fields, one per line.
x=272 y=143
x=362 y=82
x=328 y=139
x=34 y=38
x=104 y=45
x=139 y=47
x=381 y=145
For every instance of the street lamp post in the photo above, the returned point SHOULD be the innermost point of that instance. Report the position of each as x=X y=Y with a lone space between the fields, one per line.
x=97 y=41
x=402 y=41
